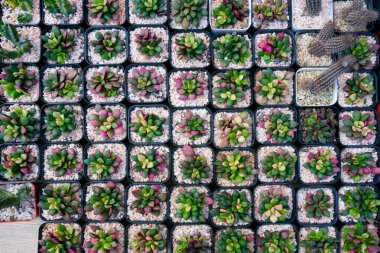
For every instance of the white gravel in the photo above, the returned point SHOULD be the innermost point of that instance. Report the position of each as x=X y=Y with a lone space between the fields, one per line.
x=136 y=228
x=275 y=62
x=303 y=20
x=304 y=58
x=60 y=19
x=120 y=232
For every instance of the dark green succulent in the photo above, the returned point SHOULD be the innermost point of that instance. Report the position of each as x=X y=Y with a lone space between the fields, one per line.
x=149 y=199
x=105 y=83
x=359 y=125
x=65 y=238
x=21 y=45
x=148 y=8
x=317 y=205
x=362 y=50
x=360 y=238
x=279 y=164
x=59 y=7
x=189 y=46
x=148 y=42
x=150 y=164
x=228 y=13
x=102 y=240
x=148 y=240
x=323 y=163
x=192 y=243
x=59 y=120
x=17 y=162
x=189 y=12
x=358 y=89
x=108 y=44
x=194 y=167
x=273 y=206
x=234 y=241
x=25 y=5
x=24 y=18
x=63 y=83
x=9 y=199
x=319 y=241
x=274 y=47
x=277 y=241
x=63 y=161
x=59 y=44
x=189 y=204
x=359 y=164
x=147 y=125
x=103 y=164
x=232 y=48
x=103 y=10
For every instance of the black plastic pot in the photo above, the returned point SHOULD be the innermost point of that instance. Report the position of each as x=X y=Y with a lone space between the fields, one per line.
x=129 y=194
x=129 y=11
x=165 y=83
x=42 y=85
x=87 y=16
x=270 y=31
x=254 y=3
x=43 y=10
x=168 y=121
x=337 y=236
x=335 y=206
x=107 y=28
x=212 y=239
x=253 y=132
x=337 y=175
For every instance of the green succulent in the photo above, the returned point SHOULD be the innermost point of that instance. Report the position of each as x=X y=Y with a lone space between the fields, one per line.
x=25 y=5
x=108 y=44
x=234 y=241
x=148 y=200
x=105 y=83
x=238 y=78
x=232 y=48
x=360 y=126
x=59 y=44
x=150 y=164
x=9 y=199
x=59 y=120
x=64 y=239
x=59 y=7
x=360 y=238
x=359 y=164
x=16 y=162
x=277 y=241
x=271 y=10
x=63 y=83
x=24 y=18
x=194 y=167
x=279 y=164
x=317 y=205
x=189 y=46
x=189 y=205
x=102 y=240
x=323 y=163
x=273 y=206
x=189 y=12
x=63 y=161
x=362 y=50
x=103 y=164
x=274 y=47
x=228 y=13
x=103 y=10
x=358 y=89
x=148 y=42
x=319 y=241
x=21 y=45
x=107 y=121
x=148 y=8
x=147 y=125
x=192 y=243
x=148 y=240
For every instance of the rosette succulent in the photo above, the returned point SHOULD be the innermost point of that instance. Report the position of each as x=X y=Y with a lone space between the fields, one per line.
x=317 y=204
x=16 y=162
x=107 y=121
x=270 y=10
x=66 y=238
x=108 y=44
x=59 y=44
x=59 y=120
x=63 y=83
x=190 y=203
x=148 y=240
x=279 y=164
x=195 y=166
x=103 y=164
x=147 y=125
x=190 y=85
x=148 y=199
x=234 y=240
x=145 y=81
x=189 y=46
x=362 y=50
x=64 y=161
x=196 y=243
x=192 y=126
x=149 y=165
x=323 y=163
x=275 y=47
x=232 y=49
x=102 y=240
x=359 y=164
x=358 y=89
x=24 y=18
x=103 y=10
x=359 y=125
x=360 y=238
x=148 y=8
x=273 y=205
x=229 y=13
x=319 y=241
x=277 y=241
x=189 y=12
x=148 y=43
x=105 y=83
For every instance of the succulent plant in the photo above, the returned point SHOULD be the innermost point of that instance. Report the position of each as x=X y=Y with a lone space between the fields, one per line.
x=195 y=166
x=190 y=203
x=148 y=240
x=189 y=12
x=273 y=86
x=360 y=126
x=279 y=164
x=149 y=199
x=192 y=243
x=190 y=85
x=189 y=46
x=362 y=50
x=105 y=83
x=64 y=239
x=59 y=120
x=277 y=241
x=270 y=10
x=103 y=10
x=332 y=45
x=148 y=43
x=317 y=204
x=62 y=200
x=360 y=238
x=59 y=44
x=359 y=18
x=228 y=13
x=235 y=130
x=103 y=164
x=232 y=208
x=17 y=80
x=59 y=7
x=358 y=89
x=273 y=205
x=192 y=126
x=237 y=78
x=279 y=126
x=102 y=240
x=108 y=44
x=22 y=45
x=25 y=5
x=275 y=47
x=232 y=48
x=148 y=8
x=319 y=241
x=63 y=83
x=319 y=125
x=361 y=203
x=24 y=18
x=235 y=166
x=231 y=240
x=107 y=121
x=147 y=125
x=149 y=165
x=322 y=163
x=9 y=199
x=105 y=201
x=18 y=124
x=145 y=81
x=17 y=162
x=313 y=7
x=359 y=164
x=64 y=161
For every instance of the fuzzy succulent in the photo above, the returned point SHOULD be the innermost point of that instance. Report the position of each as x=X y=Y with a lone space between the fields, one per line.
x=229 y=13
x=149 y=165
x=148 y=43
x=192 y=243
x=145 y=81
x=102 y=240
x=105 y=83
x=148 y=240
x=103 y=10
x=279 y=126
x=195 y=166
x=189 y=46
x=362 y=50
x=17 y=80
x=107 y=121
x=105 y=201
x=273 y=206
x=361 y=203
x=64 y=239
x=232 y=208
x=190 y=85
x=359 y=164
x=10 y=199
x=275 y=47
x=18 y=124
x=22 y=45
x=273 y=86
x=235 y=130
x=149 y=199
x=322 y=163
x=64 y=161
x=189 y=12
x=317 y=205
x=192 y=126
x=147 y=125
x=319 y=241
x=234 y=241
x=59 y=120
x=270 y=10
x=279 y=164
x=59 y=7
x=17 y=162
x=318 y=125
x=103 y=164
x=232 y=48
x=25 y=5
x=332 y=45
x=360 y=126
x=63 y=83
x=190 y=203
x=358 y=88
x=59 y=44
x=148 y=8
x=62 y=200
x=235 y=166
x=108 y=44
x=277 y=241
x=360 y=238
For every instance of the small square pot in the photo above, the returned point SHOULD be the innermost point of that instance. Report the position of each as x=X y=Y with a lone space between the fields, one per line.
x=47 y=231
x=247 y=233
x=75 y=18
x=135 y=229
x=96 y=19
x=332 y=232
x=341 y=25
x=19 y=16
x=279 y=229
x=138 y=19
x=302 y=20
x=203 y=232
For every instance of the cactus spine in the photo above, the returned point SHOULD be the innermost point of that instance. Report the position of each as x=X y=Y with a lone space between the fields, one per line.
x=360 y=18
x=313 y=7
x=332 y=45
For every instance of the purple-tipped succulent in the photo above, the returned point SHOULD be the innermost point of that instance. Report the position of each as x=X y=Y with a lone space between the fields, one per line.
x=193 y=126
x=190 y=85
x=107 y=121
x=16 y=162
x=145 y=81
x=150 y=164
x=148 y=199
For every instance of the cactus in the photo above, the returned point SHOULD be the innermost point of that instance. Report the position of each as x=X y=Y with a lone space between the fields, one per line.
x=21 y=45
x=358 y=88
x=59 y=121
x=190 y=203
x=313 y=7
x=149 y=165
x=196 y=243
x=148 y=240
x=147 y=125
x=8 y=199
x=102 y=240
x=145 y=81
x=231 y=240
x=107 y=121
x=59 y=44
x=194 y=167
x=319 y=241
x=359 y=125
x=360 y=18
x=323 y=163
x=148 y=8
x=359 y=164
x=103 y=164
x=270 y=10
x=189 y=46
x=148 y=199
x=279 y=164
x=63 y=83
x=232 y=48
x=273 y=205
x=62 y=238
x=64 y=161
x=274 y=47
x=105 y=83
x=148 y=43
x=189 y=12
x=16 y=162
x=332 y=45
x=277 y=241
x=108 y=44
x=103 y=10
x=190 y=85
x=192 y=126
x=317 y=205
x=360 y=238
